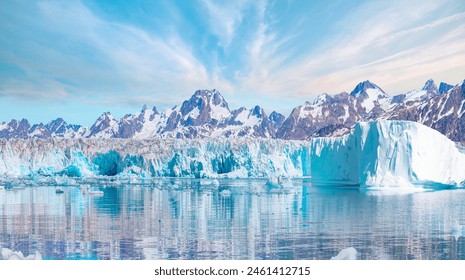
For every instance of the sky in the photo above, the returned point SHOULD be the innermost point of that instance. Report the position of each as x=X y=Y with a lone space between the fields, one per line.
x=77 y=59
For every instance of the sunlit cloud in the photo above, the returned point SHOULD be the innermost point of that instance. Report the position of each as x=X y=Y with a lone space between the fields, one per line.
x=272 y=53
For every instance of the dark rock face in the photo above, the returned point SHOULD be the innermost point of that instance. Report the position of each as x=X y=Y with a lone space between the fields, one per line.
x=277 y=119
x=206 y=114
x=443 y=88
x=15 y=129
x=430 y=87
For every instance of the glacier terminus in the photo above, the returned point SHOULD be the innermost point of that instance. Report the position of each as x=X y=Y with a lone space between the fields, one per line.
x=375 y=154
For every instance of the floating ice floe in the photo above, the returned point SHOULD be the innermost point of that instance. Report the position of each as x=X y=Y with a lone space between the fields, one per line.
x=279 y=182
x=7 y=254
x=346 y=254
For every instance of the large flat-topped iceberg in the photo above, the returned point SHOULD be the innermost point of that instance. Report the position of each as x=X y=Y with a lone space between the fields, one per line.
x=388 y=154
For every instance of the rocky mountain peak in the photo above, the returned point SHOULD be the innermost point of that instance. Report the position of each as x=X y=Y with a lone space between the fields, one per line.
x=362 y=87
x=277 y=119
x=430 y=86
x=55 y=124
x=257 y=111
x=320 y=99
x=444 y=87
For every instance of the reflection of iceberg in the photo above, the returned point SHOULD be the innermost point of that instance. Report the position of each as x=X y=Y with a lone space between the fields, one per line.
x=388 y=153
x=346 y=254
x=458 y=231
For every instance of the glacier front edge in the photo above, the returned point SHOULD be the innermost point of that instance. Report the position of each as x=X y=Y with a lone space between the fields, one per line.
x=388 y=154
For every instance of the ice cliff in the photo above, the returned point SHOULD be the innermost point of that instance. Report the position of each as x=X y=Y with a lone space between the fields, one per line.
x=211 y=158
x=376 y=154
x=388 y=153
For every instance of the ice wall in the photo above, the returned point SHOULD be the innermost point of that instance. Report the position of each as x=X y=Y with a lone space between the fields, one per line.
x=388 y=153
x=158 y=157
x=376 y=154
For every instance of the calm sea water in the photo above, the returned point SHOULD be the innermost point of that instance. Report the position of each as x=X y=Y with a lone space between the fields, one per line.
x=240 y=219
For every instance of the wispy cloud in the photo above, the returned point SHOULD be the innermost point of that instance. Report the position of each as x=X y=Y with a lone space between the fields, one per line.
x=139 y=62
x=389 y=45
x=251 y=50
x=224 y=18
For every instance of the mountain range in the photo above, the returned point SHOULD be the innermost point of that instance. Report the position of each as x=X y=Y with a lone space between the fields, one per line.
x=207 y=114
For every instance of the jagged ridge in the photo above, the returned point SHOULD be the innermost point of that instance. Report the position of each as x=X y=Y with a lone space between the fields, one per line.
x=207 y=114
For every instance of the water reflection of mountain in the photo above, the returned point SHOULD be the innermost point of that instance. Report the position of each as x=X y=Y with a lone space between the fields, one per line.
x=237 y=221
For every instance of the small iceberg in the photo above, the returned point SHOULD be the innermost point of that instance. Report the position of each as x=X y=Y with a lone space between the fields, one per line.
x=206 y=182
x=225 y=192
x=279 y=182
x=7 y=254
x=346 y=254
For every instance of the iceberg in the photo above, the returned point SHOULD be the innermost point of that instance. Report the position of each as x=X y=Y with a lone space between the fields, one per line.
x=346 y=254
x=7 y=254
x=388 y=154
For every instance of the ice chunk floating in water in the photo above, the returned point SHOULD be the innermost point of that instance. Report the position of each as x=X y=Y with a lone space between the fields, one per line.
x=388 y=154
x=346 y=254
x=7 y=254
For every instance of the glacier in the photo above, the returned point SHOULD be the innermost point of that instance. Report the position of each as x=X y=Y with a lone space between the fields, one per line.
x=207 y=158
x=374 y=154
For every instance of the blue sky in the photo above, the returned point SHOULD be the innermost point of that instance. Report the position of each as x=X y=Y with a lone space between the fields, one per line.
x=77 y=59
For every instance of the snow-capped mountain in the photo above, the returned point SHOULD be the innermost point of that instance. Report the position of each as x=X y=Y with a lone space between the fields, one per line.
x=57 y=128
x=335 y=115
x=328 y=115
x=444 y=112
x=370 y=100
x=207 y=114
